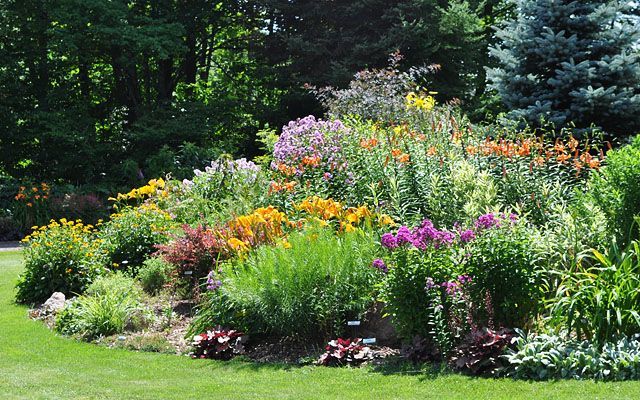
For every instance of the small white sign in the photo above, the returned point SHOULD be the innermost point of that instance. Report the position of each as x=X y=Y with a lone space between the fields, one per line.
x=188 y=272
x=353 y=323
x=369 y=341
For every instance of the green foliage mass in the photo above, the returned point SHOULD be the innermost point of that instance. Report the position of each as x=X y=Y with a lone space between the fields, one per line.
x=307 y=291
x=616 y=191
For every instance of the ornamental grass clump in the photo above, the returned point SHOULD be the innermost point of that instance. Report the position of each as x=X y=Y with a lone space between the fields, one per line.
x=110 y=305
x=598 y=298
x=64 y=256
x=307 y=290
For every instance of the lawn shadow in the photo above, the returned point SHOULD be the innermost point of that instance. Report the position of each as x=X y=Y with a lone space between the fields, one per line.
x=400 y=366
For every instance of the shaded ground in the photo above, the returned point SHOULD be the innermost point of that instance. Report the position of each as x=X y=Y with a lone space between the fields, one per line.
x=10 y=246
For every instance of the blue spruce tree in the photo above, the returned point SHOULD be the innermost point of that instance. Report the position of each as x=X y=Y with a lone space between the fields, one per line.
x=571 y=64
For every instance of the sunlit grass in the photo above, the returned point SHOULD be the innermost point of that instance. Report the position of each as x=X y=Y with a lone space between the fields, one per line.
x=37 y=364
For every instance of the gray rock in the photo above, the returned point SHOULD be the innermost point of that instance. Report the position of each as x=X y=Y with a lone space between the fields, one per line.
x=55 y=303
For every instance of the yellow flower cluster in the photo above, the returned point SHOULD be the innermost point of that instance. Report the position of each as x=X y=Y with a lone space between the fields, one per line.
x=325 y=210
x=153 y=188
x=264 y=225
x=77 y=227
x=135 y=217
x=422 y=101
x=73 y=238
x=270 y=226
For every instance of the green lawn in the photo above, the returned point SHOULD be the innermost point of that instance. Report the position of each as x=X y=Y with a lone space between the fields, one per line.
x=35 y=363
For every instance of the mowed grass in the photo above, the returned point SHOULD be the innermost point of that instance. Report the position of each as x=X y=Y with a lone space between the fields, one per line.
x=37 y=364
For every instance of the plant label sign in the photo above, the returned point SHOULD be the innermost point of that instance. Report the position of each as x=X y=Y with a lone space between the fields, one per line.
x=369 y=340
x=353 y=323
x=188 y=272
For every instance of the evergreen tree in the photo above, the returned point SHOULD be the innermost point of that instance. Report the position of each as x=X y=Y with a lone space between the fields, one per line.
x=325 y=42
x=571 y=63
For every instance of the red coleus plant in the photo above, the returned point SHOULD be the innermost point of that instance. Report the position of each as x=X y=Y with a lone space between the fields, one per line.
x=481 y=350
x=197 y=250
x=345 y=351
x=217 y=344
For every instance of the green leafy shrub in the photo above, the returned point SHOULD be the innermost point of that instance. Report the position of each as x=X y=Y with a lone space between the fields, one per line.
x=62 y=257
x=154 y=274
x=132 y=235
x=504 y=262
x=411 y=289
x=442 y=284
x=111 y=305
x=224 y=189
x=554 y=357
x=616 y=190
x=112 y=283
x=598 y=297
x=308 y=290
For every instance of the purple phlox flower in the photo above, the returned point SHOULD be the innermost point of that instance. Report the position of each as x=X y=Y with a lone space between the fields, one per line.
x=445 y=237
x=450 y=288
x=464 y=279
x=404 y=235
x=467 y=236
x=487 y=221
x=389 y=241
x=327 y=176
x=310 y=137
x=379 y=264
x=430 y=284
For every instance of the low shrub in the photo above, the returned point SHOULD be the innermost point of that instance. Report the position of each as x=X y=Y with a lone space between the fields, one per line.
x=132 y=234
x=154 y=275
x=195 y=252
x=63 y=256
x=616 y=190
x=307 y=289
x=111 y=305
x=341 y=352
x=217 y=344
x=554 y=357
x=504 y=260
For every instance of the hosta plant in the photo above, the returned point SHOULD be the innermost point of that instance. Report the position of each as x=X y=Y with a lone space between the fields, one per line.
x=341 y=352
x=217 y=344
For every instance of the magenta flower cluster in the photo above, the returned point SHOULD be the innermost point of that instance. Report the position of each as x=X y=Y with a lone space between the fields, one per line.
x=420 y=237
x=380 y=265
x=426 y=234
x=450 y=287
x=492 y=220
x=311 y=137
